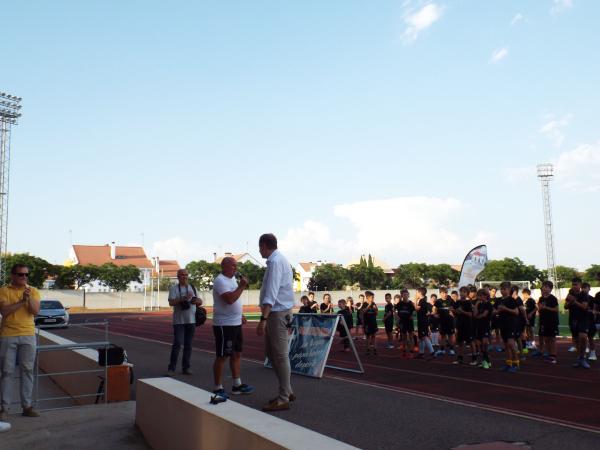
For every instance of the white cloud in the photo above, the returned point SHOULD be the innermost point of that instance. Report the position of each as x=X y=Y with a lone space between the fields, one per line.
x=516 y=19
x=419 y=20
x=559 y=6
x=498 y=55
x=579 y=169
x=553 y=129
x=396 y=230
x=180 y=249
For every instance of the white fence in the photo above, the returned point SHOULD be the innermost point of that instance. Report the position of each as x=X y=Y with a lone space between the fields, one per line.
x=137 y=300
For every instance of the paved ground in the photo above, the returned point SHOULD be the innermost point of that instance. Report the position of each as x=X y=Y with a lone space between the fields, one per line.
x=102 y=427
x=366 y=414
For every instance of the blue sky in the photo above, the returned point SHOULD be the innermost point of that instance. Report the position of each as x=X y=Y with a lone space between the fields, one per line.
x=406 y=129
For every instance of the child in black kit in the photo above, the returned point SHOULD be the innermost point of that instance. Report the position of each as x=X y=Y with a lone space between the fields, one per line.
x=344 y=311
x=370 y=321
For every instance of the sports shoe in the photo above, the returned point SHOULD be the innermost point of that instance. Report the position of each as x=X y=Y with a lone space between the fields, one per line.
x=572 y=349
x=513 y=369
x=30 y=412
x=4 y=426
x=485 y=365
x=593 y=356
x=550 y=360
x=170 y=373
x=585 y=364
x=452 y=353
x=473 y=363
x=457 y=362
x=499 y=349
x=276 y=405
x=242 y=389
x=390 y=346
x=221 y=393
x=525 y=351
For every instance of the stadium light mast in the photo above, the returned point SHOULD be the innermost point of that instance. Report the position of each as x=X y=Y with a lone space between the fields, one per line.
x=545 y=173
x=10 y=107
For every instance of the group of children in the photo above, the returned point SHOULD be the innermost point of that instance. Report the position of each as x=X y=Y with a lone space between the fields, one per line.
x=477 y=318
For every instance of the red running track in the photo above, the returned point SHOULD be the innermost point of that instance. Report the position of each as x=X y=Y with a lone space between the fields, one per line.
x=555 y=393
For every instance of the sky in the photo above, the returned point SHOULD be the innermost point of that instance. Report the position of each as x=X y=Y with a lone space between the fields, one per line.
x=409 y=130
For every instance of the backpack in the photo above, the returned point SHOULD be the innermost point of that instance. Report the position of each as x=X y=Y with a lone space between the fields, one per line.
x=200 y=315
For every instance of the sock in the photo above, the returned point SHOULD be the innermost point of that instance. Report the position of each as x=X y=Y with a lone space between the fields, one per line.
x=218 y=387
x=486 y=357
x=237 y=382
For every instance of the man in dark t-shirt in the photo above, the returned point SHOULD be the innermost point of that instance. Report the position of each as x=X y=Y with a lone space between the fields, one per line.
x=443 y=308
x=405 y=310
x=508 y=311
x=388 y=320
x=424 y=309
x=548 y=311
x=585 y=288
x=463 y=311
x=577 y=300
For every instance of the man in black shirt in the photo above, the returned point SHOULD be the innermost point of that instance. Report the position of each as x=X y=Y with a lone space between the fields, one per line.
x=508 y=311
x=585 y=288
x=443 y=308
x=577 y=301
x=423 y=312
x=530 y=311
x=405 y=310
x=463 y=311
x=388 y=320
x=548 y=310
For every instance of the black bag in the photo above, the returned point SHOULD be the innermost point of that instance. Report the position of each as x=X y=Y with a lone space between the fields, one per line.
x=111 y=356
x=200 y=315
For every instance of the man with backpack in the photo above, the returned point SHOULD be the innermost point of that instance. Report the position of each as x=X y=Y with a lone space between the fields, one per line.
x=183 y=299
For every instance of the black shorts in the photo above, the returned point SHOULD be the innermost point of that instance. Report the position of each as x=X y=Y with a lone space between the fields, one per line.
x=423 y=329
x=434 y=325
x=508 y=332
x=464 y=333
x=520 y=328
x=228 y=339
x=495 y=325
x=447 y=326
x=532 y=322
x=580 y=326
x=548 y=328
x=482 y=330
x=592 y=331
x=371 y=329
x=407 y=326
x=389 y=326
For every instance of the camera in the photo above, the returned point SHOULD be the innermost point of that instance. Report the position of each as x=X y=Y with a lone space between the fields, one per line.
x=186 y=305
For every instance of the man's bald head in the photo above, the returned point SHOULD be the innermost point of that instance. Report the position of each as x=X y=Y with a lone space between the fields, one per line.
x=228 y=266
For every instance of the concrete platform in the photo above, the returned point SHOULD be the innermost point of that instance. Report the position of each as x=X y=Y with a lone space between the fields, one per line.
x=94 y=427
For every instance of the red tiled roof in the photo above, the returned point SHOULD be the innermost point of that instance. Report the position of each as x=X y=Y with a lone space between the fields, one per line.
x=100 y=254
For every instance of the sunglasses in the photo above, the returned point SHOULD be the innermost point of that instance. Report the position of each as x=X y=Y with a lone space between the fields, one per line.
x=22 y=274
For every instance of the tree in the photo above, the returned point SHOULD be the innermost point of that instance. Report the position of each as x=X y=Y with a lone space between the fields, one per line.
x=328 y=277
x=366 y=275
x=509 y=269
x=411 y=275
x=564 y=275
x=202 y=273
x=39 y=269
x=592 y=275
x=253 y=272
x=442 y=275
x=74 y=277
x=118 y=277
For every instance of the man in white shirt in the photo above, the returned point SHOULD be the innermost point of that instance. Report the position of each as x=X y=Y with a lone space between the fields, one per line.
x=228 y=319
x=182 y=297
x=276 y=303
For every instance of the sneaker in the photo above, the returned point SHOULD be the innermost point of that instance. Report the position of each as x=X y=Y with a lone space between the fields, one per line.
x=550 y=360
x=473 y=363
x=390 y=346
x=572 y=350
x=170 y=373
x=242 y=389
x=30 y=412
x=593 y=356
x=452 y=353
x=221 y=393
x=585 y=364
x=485 y=365
x=276 y=405
x=4 y=426
x=499 y=349
x=457 y=362
x=513 y=369
x=525 y=351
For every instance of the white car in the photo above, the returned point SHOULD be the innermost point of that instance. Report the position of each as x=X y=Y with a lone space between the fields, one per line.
x=52 y=315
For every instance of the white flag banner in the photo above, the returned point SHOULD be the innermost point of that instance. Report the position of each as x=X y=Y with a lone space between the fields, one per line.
x=472 y=266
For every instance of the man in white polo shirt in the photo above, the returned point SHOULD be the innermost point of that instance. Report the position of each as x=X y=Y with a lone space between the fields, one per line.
x=227 y=327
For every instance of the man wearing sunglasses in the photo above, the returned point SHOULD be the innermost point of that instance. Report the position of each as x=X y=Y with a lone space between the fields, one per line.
x=19 y=303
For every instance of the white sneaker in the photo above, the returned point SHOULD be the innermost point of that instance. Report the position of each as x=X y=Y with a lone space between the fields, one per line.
x=4 y=426
x=592 y=356
x=572 y=350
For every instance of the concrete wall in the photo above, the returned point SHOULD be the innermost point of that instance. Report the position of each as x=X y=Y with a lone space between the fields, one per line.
x=116 y=300
x=174 y=415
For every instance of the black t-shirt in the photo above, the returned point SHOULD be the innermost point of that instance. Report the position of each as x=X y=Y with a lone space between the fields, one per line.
x=326 y=308
x=529 y=306
x=424 y=309
x=305 y=309
x=313 y=305
x=347 y=315
x=443 y=307
x=482 y=307
x=389 y=309
x=405 y=310
x=548 y=317
x=507 y=319
x=578 y=313
x=466 y=306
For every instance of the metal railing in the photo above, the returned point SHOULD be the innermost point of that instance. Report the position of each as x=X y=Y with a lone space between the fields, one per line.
x=72 y=346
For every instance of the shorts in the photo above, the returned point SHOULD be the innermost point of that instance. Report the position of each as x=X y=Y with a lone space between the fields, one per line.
x=508 y=332
x=228 y=340
x=371 y=329
x=434 y=325
x=464 y=333
x=580 y=326
x=482 y=330
x=447 y=326
x=423 y=329
x=520 y=327
x=389 y=326
x=407 y=326
x=532 y=322
x=592 y=331
x=548 y=328
x=495 y=325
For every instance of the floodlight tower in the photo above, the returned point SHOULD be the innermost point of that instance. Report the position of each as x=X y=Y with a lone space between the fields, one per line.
x=545 y=173
x=10 y=107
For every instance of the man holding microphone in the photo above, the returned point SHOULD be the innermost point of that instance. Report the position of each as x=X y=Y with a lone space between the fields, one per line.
x=276 y=302
x=19 y=303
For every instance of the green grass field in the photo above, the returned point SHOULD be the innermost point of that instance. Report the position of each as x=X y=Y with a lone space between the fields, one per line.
x=564 y=325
